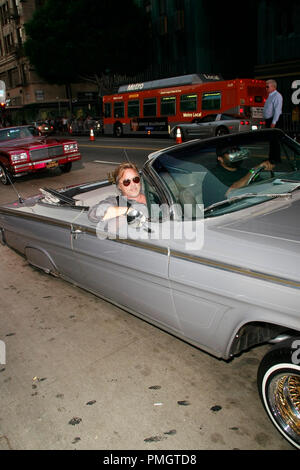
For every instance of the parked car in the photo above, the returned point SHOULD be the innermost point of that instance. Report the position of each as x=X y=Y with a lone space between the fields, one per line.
x=43 y=128
x=83 y=126
x=215 y=125
x=21 y=152
x=217 y=266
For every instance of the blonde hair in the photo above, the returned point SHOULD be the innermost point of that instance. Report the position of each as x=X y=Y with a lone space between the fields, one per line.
x=117 y=174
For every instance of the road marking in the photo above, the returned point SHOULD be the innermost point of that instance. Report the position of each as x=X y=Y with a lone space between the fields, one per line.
x=103 y=161
x=120 y=147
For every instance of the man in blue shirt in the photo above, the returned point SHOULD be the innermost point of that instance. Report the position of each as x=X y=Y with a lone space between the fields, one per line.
x=273 y=106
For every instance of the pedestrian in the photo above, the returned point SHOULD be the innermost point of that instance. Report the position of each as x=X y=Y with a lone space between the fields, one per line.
x=272 y=111
x=65 y=124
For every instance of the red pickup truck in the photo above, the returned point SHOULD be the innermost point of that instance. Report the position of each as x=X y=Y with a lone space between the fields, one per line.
x=21 y=152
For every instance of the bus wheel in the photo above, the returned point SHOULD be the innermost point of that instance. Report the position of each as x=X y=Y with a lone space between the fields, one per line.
x=221 y=131
x=118 y=130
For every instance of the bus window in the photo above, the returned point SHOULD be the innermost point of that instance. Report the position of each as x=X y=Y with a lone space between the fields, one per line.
x=168 y=106
x=149 y=107
x=119 y=109
x=188 y=103
x=211 y=101
x=133 y=108
x=107 y=110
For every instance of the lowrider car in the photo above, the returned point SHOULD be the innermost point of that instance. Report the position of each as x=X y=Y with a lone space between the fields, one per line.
x=21 y=152
x=215 y=125
x=219 y=267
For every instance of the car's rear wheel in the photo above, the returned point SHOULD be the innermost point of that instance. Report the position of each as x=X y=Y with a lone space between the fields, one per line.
x=279 y=388
x=221 y=131
x=4 y=176
x=66 y=167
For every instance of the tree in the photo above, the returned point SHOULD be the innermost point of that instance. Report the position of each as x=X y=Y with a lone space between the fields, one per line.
x=69 y=40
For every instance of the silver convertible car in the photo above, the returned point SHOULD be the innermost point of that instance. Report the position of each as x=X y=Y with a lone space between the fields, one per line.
x=215 y=261
x=215 y=125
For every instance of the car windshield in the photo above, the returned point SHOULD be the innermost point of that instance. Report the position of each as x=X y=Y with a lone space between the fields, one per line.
x=13 y=133
x=193 y=174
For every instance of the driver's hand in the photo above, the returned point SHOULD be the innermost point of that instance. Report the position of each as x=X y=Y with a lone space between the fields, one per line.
x=267 y=165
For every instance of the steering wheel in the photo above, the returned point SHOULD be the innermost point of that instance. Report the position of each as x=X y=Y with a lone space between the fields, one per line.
x=255 y=173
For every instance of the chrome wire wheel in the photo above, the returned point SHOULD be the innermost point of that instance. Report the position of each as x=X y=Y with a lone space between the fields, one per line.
x=283 y=395
x=279 y=387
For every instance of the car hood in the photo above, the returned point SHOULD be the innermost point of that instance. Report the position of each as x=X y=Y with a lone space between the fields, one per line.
x=266 y=239
x=28 y=143
x=282 y=224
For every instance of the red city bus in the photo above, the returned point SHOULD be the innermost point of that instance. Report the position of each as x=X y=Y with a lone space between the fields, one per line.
x=154 y=107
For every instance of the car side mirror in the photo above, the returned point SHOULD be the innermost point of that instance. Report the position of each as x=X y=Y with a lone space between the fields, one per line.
x=137 y=219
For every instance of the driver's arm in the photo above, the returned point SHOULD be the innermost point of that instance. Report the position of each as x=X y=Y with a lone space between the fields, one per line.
x=266 y=165
x=115 y=211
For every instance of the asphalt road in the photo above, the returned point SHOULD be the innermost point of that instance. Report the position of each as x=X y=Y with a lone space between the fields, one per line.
x=115 y=150
x=81 y=373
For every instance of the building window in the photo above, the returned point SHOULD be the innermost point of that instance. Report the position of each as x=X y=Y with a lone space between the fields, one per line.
x=179 y=20
x=149 y=108
x=13 y=78
x=4 y=14
x=133 y=108
x=211 y=101
x=162 y=7
x=168 y=106
x=39 y=95
x=8 y=43
x=87 y=96
x=163 y=25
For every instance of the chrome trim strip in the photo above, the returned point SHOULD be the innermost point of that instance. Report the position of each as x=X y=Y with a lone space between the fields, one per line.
x=127 y=241
x=36 y=217
x=236 y=269
x=90 y=230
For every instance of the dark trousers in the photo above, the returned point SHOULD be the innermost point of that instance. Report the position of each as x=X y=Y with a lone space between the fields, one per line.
x=278 y=123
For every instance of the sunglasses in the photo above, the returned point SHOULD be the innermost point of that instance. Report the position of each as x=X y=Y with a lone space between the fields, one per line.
x=127 y=182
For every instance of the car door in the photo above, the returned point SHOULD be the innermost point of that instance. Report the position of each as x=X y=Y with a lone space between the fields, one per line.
x=127 y=268
x=203 y=128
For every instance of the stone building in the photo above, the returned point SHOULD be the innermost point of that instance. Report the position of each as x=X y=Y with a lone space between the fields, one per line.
x=28 y=97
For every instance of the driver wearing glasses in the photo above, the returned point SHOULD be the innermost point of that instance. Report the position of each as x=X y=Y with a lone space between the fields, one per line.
x=129 y=185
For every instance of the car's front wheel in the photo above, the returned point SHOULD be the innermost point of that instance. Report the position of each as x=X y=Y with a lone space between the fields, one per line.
x=221 y=131
x=279 y=388
x=4 y=177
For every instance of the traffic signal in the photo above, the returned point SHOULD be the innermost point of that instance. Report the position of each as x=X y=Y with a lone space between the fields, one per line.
x=2 y=105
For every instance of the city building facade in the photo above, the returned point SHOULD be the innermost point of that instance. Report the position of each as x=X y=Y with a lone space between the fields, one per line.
x=278 y=52
x=28 y=97
x=188 y=36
